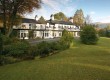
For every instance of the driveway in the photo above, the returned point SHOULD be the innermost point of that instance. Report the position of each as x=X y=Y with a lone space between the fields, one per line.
x=33 y=42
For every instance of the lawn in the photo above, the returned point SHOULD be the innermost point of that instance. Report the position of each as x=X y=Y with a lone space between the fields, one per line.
x=80 y=62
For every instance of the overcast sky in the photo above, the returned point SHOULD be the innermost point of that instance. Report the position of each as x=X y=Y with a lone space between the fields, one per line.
x=98 y=9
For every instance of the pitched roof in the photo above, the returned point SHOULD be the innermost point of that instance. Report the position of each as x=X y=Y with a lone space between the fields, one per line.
x=60 y=22
x=26 y=20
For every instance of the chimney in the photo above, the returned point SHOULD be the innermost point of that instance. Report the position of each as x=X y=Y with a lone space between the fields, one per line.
x=71 y=19
x=36 y=17
x=52 y=17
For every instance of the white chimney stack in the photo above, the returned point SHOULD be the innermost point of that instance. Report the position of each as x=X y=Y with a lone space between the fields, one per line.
x=36 y=17
x=52 y=17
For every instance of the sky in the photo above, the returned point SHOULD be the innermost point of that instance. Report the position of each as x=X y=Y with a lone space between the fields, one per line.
x=99 y=10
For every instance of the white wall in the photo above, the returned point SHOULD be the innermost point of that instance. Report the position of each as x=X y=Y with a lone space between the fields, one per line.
x=50 y=30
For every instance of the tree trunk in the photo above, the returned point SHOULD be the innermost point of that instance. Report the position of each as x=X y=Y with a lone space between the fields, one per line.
x=12 y=19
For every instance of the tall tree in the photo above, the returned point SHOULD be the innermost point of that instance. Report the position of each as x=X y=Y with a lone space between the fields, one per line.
x=41 y=20
x=11 y=8
x=78 y=18
x=60 y=16
x=31 y=34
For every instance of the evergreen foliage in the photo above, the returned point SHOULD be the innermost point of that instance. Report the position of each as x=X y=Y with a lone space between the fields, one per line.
x=43 y=49
x=1 y=44
x=31 y=34
x=108 y=31
x=102 y=33
x=88 y=35
x=66 y=39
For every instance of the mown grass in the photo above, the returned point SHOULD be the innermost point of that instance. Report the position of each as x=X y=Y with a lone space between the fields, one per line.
x=80 y=62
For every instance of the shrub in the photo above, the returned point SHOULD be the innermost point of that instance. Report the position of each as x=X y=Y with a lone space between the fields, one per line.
x=31 y=34
x=55 y=46
x=6 y=40
x=14 y=33
x=7 y=60
x=1 y=44
x=18 y=50
x=107 y=33
x=88 y=35
x=43 y=49
x=66 y=36
x=102 y=32
x=1 y=60
x=33 y=51
x=15 y=39
x=66 y=39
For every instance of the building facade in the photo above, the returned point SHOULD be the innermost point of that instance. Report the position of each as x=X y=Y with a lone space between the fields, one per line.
x=51 y=29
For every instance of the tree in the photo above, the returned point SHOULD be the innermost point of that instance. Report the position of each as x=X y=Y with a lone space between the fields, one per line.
x=66 y=39
x=107 y=31
x=11 y=8
x=102 y=32
x=78 y=18
x=31 y=34
x=60 y=16
x=88 y=35
x=1 y=43
x=88 y=19
x=41 y=20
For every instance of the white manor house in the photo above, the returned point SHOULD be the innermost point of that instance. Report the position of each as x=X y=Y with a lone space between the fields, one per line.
x=51 y=29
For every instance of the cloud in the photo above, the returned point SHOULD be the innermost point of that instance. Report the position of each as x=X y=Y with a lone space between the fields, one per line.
x=53 y=6
x=92 y=12
x=104 y=19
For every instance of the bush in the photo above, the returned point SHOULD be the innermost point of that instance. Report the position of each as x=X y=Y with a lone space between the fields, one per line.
x=6 y=40
x=1 y=44
x=1 y=60
x=107 y=33
x=102 y=32
x=31 y=34
x=14 y=33
x=88 y=35
x=55 y=46
x=15 y=39
x=18 y=50
x=43 y=49
x=33 y=51
x=66 y=39
x=7 y=60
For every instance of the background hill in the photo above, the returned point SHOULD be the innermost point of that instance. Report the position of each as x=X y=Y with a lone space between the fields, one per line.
x=102 y=25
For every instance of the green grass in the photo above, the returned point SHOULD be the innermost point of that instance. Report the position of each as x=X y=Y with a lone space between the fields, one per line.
x=80 y=62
